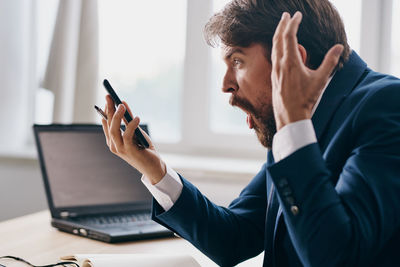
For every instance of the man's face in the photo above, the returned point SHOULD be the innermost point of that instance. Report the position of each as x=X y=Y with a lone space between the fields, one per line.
x=248 y=79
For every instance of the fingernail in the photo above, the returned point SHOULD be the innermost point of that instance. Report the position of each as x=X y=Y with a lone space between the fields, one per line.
x=121 y=107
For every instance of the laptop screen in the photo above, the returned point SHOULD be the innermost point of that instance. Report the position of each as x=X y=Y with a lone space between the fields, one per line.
x=81 y=170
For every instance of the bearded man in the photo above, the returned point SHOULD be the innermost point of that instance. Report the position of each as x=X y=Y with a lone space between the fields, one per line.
x=328 y=194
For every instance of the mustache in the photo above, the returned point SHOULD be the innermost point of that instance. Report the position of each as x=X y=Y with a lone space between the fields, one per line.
x=242 y=103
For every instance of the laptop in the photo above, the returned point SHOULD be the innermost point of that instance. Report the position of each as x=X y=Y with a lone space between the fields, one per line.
x=90 y=191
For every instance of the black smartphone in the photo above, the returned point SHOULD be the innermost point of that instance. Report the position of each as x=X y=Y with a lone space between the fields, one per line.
x=141 y=140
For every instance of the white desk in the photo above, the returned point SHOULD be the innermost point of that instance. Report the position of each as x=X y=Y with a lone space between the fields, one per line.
x=32 y=238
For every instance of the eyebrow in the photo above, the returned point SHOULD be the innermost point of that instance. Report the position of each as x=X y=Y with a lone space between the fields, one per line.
x=231 y=51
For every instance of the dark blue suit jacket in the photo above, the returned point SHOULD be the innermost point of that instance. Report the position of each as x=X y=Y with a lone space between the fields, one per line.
x=332 y=203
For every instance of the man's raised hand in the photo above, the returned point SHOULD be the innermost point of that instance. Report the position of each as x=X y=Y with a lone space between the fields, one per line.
x=295 y=87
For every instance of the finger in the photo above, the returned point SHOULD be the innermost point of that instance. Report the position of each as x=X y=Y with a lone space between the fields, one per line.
x=277 y=39
x=330 y=62
x=147 y=137
x=104 y=123
x=290 y=35
x=128 y=108
x=115 y=131
x=113 y=147
x=110 y=110
x=129 y=111
x=281 y=26
x=105 y=130
x=130 y=131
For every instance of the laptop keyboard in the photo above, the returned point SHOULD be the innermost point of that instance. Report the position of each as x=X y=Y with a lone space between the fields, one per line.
x=120 y=219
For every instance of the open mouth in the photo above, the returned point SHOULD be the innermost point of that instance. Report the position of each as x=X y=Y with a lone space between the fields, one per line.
x=249 y=117
x=236 y=102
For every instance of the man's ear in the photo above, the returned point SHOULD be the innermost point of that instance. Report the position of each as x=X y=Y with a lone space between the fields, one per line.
x=303 y=53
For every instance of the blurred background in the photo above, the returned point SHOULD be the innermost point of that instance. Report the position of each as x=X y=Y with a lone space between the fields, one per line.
x=55 y=54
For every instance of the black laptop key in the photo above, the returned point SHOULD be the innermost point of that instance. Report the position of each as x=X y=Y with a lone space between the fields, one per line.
x=125 y=220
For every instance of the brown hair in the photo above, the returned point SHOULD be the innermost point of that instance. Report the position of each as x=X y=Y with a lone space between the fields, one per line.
x=244 y=22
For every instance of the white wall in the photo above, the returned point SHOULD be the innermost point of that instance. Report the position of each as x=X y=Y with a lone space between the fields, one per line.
x=21 y=188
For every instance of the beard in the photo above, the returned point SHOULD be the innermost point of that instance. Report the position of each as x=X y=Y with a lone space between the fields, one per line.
x=263 y=118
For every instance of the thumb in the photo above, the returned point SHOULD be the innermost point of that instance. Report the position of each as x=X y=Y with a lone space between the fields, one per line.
x=129 y=111
x=128 y=108
x=330 y=61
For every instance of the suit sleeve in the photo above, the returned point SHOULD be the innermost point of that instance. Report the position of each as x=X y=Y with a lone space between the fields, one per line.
x=347 y=223
x=226 y=235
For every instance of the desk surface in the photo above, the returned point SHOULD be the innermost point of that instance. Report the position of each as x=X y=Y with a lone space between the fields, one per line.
x=32 y=238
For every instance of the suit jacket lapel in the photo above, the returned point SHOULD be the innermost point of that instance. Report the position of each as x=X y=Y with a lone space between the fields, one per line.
x=340 y=86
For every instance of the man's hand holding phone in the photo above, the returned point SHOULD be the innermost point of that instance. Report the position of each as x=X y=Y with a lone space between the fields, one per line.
x=145 y=160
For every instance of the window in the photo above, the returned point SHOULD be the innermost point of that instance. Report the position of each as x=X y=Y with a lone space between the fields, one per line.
x=154 y=54
x=142 y=47
x=350 y=11
x=224 y=118
x=395 y=45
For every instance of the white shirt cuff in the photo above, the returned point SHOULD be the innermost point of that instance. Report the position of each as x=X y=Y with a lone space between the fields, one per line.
x=167 y=190
x=292 y=137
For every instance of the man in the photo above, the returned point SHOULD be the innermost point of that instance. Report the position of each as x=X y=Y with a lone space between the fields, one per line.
x=328 y=194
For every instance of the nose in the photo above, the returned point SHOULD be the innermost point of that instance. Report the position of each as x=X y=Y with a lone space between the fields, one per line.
x=229 y=84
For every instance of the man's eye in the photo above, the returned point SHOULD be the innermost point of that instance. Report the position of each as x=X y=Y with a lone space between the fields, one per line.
x=236 y=62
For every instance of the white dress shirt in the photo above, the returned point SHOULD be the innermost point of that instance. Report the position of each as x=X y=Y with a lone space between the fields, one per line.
x=286 y=141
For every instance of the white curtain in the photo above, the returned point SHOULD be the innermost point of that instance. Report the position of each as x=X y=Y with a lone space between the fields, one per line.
x=17 y=73
x=72 y=69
